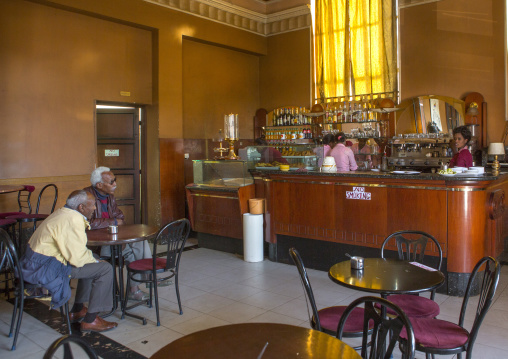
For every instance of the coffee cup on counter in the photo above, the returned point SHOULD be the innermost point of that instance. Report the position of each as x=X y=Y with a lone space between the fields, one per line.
x=113 y=229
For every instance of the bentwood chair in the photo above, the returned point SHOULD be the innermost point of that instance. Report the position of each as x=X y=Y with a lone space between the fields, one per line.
x=386 y=330
x=435 y=336
x=9 y=258
x=68 y=342
x=172 y=236
x=326 y=319
x=23 y=202
x=34 y=217
x=412 y=249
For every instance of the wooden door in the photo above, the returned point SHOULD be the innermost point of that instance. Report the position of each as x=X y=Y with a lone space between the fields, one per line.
x=118 y=148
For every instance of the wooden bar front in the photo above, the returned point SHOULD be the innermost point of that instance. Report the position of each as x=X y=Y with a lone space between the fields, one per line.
x=359 y=210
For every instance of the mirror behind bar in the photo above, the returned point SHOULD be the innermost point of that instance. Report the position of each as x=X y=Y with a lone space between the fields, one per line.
x=429 y=114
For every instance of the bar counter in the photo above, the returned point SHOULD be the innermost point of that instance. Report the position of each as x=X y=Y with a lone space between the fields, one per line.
x=325 y=215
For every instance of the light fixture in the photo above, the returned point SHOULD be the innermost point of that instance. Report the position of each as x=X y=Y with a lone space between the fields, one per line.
x=496 y=149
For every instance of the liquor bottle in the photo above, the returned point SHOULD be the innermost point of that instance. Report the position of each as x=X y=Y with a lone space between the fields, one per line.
x=335 y=115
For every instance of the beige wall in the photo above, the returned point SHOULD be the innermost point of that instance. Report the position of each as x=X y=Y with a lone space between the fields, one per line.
x=54 y=65
x=286 y=71
x=218 y=81
x=454 y=47
x=57 y=58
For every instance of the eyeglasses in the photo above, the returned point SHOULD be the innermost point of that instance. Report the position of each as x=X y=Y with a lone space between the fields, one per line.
x=112 y=181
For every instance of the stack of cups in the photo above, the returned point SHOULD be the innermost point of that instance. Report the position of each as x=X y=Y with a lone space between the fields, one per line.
x=329 y=165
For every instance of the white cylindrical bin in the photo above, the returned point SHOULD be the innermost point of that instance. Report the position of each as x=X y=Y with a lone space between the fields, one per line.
x=252 y=237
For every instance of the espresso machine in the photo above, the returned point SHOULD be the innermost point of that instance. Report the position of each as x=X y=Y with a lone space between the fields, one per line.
x=421 y=152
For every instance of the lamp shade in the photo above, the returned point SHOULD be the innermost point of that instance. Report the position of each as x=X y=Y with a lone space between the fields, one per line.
x=496 y=148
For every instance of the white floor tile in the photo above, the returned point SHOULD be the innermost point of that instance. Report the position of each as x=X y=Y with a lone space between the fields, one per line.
x=220 y=288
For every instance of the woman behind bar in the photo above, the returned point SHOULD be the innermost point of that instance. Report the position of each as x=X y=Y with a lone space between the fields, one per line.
x=463 y=158
x=323 y=151
x=344 y=156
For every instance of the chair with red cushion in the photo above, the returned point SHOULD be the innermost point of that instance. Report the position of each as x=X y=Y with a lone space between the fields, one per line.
x=435 y=336
x=23 y=202
x=386 y=332
x=412 y=249
x=34 y=217
x=327 y=319
x=172 y=236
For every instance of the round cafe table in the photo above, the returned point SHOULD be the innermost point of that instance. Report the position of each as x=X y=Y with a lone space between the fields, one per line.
x=257 y=340
x=126 y=234
x=386 y=276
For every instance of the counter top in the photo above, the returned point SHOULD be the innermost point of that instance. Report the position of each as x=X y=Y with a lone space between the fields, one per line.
x=387 y=175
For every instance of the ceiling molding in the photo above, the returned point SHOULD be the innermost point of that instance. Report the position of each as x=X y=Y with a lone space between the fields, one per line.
x=231 y=15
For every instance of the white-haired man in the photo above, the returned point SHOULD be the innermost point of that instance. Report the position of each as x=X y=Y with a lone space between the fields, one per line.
x=107 y=213
x=57 y=251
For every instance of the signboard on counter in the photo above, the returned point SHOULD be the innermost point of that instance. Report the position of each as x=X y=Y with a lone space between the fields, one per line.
x=111 y=153
x=359 y=193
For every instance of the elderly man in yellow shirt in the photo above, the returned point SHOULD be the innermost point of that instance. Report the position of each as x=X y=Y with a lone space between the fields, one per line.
x=57 y=251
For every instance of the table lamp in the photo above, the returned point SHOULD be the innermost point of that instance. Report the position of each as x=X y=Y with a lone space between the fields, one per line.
x=496 y=149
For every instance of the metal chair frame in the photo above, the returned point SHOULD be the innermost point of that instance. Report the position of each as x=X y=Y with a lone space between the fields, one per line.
x=384 y=328
x=413 y=249
x=488 y=286
x=309 y=297
x=9 y=258
x=66 y=340
x=173 y=235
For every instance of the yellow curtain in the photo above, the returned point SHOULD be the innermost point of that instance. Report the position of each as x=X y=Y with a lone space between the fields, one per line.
x=355 y=47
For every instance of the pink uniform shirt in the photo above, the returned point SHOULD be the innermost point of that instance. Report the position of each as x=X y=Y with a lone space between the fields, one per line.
x=344 y=158
x=463 y=158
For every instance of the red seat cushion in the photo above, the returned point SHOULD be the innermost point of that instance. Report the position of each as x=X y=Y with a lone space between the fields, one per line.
x=436 y=333
x=7 y=222
x=7 y=214
x=414 y=306
x=147 y=264
x=330 y=317
x=28 y=216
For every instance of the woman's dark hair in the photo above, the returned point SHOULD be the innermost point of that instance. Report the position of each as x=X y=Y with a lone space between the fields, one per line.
x=327 y=139
x=464 y=131
x=340 y=137
x=260 y=141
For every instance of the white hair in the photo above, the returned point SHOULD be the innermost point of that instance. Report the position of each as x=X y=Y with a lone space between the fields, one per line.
x=96 y=176
x=76 y=198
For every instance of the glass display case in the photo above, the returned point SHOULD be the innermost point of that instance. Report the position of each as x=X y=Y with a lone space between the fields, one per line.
x=222 y=173
x=271 y=157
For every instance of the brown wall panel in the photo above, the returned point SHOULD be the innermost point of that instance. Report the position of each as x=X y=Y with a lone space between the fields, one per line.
x=454 y=47
x=54 y=65
x=115 y=125
x=124 y=160
x=171 y=179
x=216 y=82
x=124 y=186
x=286 y=73
x=128 y=212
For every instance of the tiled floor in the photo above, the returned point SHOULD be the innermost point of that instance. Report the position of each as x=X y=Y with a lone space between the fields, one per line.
x=219 y=288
